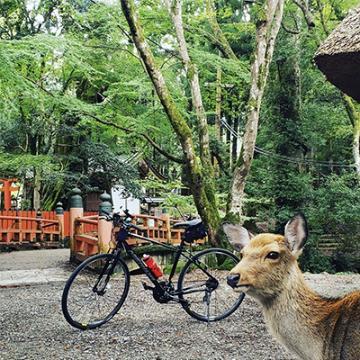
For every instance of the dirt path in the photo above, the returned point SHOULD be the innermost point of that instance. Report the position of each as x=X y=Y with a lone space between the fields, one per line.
x=32 y=327
x=33 y=259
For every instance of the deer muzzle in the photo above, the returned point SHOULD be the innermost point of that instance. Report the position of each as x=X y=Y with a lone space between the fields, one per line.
x=233 y=280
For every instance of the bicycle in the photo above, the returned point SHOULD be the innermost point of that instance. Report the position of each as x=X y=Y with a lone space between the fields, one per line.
x=98 y=287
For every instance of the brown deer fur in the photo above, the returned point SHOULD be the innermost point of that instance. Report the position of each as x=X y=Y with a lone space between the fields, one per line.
x=311 y=326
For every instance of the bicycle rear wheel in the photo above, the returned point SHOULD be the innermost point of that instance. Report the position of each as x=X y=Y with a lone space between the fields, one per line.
x=203 y=287
x=95 y=291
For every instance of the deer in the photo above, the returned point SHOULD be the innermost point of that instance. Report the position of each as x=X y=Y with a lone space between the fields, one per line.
x=309 y=325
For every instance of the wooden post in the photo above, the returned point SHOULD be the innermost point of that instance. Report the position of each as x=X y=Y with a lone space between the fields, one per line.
x=59 y=211
x=7 y=188
x=39 y=234
x=104 y=226
x=166 y=218
x=76 y=210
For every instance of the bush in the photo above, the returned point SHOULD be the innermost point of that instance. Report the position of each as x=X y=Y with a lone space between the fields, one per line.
x=345 y=262
x=335 y=210
x=313 y=260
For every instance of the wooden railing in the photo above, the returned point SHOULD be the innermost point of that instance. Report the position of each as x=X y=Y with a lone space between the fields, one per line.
x=29 y=226
x=88 y=232
x=89 y=242
x=86 y=241
x=34 y=227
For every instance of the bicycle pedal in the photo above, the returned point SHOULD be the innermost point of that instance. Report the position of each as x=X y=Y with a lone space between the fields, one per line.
x=147 y=287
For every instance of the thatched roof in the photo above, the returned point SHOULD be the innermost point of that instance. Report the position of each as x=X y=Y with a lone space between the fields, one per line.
x=339 y=56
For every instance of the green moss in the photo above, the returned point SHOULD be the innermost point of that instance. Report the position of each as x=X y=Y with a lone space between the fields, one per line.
x=168 y=267
x=232 y=218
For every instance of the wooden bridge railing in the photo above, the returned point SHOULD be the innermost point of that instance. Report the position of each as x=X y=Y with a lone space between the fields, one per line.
x=87 y=243
x=89 y=233
x=35 y=228
x=93 y=234
x=30 y=226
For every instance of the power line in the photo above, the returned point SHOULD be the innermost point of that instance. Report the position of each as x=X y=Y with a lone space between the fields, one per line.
x=287 y=158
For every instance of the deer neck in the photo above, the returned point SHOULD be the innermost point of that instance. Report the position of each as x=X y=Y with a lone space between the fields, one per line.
x=293 y=316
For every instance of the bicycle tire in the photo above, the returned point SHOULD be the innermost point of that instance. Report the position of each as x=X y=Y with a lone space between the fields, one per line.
x=209 y=297
x=93 y=276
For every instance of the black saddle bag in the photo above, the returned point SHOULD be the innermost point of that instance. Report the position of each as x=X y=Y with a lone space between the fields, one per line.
x=195 y=232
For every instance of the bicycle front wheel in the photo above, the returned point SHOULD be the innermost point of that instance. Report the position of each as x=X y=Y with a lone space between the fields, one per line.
x=95 y=291
x=203 y=289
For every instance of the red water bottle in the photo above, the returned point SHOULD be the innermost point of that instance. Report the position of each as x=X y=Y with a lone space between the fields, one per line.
x=153 y=266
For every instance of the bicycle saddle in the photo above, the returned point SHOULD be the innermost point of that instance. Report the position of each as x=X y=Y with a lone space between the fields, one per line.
x=187 y=224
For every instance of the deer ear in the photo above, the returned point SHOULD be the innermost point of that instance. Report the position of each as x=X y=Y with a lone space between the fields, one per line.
x=238 y=236
x=296 y=233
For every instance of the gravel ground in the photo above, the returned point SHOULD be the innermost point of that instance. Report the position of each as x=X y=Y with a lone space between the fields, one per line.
x=34 y=259
x=32 y=327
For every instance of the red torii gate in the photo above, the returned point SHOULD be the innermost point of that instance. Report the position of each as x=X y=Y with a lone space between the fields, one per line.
x=7 y=188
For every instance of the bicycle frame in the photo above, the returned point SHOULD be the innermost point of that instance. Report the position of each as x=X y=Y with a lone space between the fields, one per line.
x=193 y=291
x=179 y=251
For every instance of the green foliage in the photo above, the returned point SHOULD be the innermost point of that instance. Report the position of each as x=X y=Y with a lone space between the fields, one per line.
x=62 y=61
x=336 y=205
x=304 y=129
x=312 y=260
x=179 y=266
x=175 y=204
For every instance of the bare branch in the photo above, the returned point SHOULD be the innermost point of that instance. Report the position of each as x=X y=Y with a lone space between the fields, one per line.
x=304 y=6
x=40 y=86
x=290 y=31
x=114 y=48
x=145 y=136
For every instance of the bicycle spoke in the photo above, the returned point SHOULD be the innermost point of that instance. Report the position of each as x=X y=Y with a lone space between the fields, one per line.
x=202 y=284
x=93 y=297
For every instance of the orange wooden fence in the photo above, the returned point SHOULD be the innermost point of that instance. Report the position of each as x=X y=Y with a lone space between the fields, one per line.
x=20 y=227
x=48 y=229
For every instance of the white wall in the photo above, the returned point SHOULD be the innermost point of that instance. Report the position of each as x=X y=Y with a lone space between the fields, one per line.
x=120 y=203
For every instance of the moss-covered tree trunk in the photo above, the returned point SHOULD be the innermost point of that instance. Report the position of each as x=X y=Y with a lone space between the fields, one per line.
x=218 y=104
x=199 y=180
x=220 y=40
x=196 y=97
x=268 y=26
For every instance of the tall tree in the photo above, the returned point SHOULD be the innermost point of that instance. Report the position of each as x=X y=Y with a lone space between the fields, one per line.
x=199 y=183
x=267 y=28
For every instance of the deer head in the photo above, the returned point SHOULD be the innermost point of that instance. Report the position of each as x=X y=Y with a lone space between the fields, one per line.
x=268 y=261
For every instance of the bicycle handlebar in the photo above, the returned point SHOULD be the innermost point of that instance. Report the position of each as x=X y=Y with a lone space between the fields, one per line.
x=127 y=213
x=112 y=217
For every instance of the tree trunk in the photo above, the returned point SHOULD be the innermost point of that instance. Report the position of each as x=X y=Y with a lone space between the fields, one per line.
x=218 y=104
x=356 y=146
x=266 y=33
x=304 y=6
x=198 y=181
x=193 y=78
x=234 y=144
x=221 y=41
x=37 y=189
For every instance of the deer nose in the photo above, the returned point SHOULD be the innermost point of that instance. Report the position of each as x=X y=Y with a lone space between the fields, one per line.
x=232 y=280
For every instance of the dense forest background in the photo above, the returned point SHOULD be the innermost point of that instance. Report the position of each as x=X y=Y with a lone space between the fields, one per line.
x=79 y=109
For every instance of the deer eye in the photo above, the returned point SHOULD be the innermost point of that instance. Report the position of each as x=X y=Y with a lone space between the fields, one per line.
x=273 y=255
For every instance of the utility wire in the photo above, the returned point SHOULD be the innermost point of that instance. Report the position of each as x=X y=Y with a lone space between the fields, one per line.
x=287 y=158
